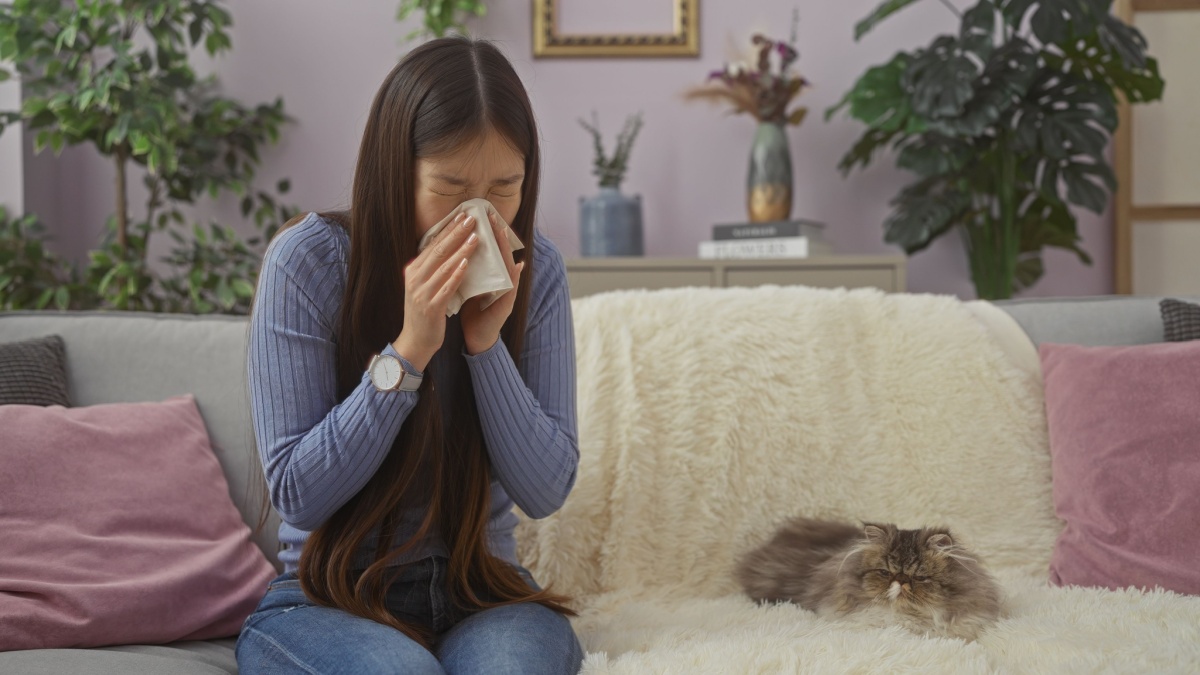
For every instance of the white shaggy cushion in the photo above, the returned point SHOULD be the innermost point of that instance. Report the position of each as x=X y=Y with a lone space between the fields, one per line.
x=709 y=415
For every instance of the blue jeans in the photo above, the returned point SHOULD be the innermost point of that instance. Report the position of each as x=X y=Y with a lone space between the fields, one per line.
x=287 y=633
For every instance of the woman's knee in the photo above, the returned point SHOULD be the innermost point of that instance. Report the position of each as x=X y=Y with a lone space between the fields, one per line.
x=528 y=639
x=317 y=640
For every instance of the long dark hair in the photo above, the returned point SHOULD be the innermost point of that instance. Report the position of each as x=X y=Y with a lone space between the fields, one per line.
x=443 y=94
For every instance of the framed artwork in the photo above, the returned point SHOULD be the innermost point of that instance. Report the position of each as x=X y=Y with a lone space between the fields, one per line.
x=585 y=28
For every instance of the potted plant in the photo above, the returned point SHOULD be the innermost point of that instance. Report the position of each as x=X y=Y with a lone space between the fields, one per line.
x=1005 y=124
x=764 y=91
x=610 y=222
x=115 y=74
x=440 y=17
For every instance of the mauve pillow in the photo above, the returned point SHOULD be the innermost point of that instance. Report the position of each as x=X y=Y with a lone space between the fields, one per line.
x=1125 y=450
x=117 y=528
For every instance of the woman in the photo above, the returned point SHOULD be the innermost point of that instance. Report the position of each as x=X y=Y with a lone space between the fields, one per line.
x=395 y=440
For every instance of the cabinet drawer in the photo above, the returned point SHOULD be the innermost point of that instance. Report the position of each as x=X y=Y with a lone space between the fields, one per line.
x=833 y=277
x=589 y=281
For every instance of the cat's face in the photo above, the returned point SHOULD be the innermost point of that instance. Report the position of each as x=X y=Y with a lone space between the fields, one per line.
x=906 y=566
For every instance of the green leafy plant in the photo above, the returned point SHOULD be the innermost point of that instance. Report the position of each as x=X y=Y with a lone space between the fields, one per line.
x=441 y=16
x=1006 y=125
x=31 y=277
x=116 y=75
x=611 y=170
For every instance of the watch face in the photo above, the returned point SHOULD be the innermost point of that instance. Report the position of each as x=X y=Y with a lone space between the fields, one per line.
x=386 y=372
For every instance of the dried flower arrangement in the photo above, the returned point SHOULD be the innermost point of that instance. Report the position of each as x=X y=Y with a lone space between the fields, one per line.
x=764 y=90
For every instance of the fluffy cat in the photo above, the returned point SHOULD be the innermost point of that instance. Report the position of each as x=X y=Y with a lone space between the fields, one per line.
x=920 y=579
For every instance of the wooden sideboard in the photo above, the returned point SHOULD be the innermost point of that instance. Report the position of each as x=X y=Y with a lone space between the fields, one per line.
x=587 y=276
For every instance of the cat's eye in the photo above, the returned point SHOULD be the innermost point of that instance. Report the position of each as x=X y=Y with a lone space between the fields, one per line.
x=883 y=573
x=920 y=578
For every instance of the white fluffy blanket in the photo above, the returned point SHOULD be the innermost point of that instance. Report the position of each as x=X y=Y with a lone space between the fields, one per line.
x=708 y=416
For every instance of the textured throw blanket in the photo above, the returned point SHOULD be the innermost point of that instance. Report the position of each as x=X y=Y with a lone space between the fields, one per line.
x=707 y=416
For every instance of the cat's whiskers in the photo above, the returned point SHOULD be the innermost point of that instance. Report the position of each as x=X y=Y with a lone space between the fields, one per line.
x=959 y=558
x=858 y=548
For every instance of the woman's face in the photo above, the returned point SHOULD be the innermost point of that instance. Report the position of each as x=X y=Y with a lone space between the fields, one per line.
x=487 y=168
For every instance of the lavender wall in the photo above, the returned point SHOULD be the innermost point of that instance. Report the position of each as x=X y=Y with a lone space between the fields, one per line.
x=326 y=59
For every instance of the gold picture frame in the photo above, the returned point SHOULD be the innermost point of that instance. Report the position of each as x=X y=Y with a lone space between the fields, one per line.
x=684 y=41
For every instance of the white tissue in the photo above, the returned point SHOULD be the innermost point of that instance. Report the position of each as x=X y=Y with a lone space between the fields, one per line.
x=487 y=273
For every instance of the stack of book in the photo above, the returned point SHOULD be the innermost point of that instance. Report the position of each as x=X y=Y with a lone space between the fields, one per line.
x=776 y=239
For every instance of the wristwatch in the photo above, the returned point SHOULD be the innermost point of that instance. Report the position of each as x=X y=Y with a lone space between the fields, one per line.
x=388 y=374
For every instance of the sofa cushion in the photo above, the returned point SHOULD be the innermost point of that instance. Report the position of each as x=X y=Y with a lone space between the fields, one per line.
x=34 y=372
x=118 y=529
x=1125 y=457
x=1181 y=320
x=211 y=657
x=118 y=357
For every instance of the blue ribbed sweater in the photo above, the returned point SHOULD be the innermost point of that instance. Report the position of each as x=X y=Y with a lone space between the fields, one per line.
x=318 y=452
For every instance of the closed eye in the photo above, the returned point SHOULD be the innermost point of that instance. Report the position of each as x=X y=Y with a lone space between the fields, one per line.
x=883 y=573
x=920 y=578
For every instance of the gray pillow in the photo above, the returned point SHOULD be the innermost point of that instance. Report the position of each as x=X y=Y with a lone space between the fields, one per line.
x=34 y=372
x=1181 y=320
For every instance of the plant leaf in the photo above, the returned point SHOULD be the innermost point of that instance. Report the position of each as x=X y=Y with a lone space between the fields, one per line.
x=923 y=212
x=1084 y=191
x=878 y=98
x=978 y=30
x=941 y=79
x=864 y=149
x=1006 y=79
x=932 y=154
x=883 y=11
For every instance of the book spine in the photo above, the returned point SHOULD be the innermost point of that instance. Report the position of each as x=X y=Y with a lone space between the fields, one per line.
x=760 y=231
x=777 y=247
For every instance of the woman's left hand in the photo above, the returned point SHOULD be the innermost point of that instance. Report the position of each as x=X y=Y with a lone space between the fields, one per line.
x=481 y=327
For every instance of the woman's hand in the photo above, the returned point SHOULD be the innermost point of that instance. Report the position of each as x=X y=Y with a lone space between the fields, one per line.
x=481 y=327
x=430 y=280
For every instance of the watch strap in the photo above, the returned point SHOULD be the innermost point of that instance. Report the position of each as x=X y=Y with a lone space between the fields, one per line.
x=409 y=381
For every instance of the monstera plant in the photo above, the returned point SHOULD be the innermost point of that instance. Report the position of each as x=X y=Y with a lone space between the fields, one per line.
x=1005 y=124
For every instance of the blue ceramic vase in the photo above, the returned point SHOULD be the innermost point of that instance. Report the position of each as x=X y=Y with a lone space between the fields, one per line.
x=610 y=224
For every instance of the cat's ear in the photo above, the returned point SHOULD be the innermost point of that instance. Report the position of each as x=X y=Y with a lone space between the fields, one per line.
x=875 y=533
x=939 y=540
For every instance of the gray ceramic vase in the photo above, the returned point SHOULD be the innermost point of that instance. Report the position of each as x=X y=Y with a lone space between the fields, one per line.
x=610 y=224
x=769 y=180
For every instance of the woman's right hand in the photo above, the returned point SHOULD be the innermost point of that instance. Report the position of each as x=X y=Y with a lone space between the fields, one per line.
x=430 y=280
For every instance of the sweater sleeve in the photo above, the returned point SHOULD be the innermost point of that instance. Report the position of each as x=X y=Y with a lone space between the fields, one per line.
x=528 y=414
x=316 y=452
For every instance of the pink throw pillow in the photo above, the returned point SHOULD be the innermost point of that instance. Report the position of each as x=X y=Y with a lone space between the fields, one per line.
x=117 y=528
x=1125 y=450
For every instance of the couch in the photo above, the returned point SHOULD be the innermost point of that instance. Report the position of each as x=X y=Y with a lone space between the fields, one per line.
x=706 y=416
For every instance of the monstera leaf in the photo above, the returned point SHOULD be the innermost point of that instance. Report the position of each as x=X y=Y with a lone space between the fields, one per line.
x=978 y=32
x=934 y=154
x=864 y=149
x=1044 y=223
x=1054 y=21
x=1112 y=56
x=888 y=8
x=924 y=211
x=941 y=79
x=879 y=100
x=1006 y=79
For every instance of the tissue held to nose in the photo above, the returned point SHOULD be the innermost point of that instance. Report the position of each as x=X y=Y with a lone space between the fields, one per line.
x=487 y=274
